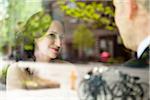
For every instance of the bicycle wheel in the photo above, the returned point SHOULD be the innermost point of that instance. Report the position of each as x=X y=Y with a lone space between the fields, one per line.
x=145 y=89
x=129 y=97
x=136 y=91
x=83 y=91
x=105 y=93
x=117 y=89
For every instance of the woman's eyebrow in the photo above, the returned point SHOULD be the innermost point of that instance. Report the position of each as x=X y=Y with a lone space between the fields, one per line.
x=53 y=32
x=56 y=33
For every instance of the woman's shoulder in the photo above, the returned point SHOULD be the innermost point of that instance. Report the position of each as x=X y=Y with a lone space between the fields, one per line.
x=61 y=61
x=4 y=69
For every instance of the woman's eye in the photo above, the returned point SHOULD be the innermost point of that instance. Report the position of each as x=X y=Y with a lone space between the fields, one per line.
x=53 y=36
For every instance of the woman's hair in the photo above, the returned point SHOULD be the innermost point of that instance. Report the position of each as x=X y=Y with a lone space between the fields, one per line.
x=35 y=27
x=38 y=24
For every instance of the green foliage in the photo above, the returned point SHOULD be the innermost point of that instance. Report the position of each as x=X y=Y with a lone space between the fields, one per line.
x=7 y=24
x=117 y=60
x=3 y=34
x=14 y=11
x=3 y=74
x=83 y=37
x=36 y=26
x=17 y=11
x=93 y=12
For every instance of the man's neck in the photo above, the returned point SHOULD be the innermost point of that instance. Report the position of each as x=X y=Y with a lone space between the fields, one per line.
x=143 y=45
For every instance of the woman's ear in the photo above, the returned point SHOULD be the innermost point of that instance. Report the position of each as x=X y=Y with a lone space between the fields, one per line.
x=133 y=8
x=36 y=43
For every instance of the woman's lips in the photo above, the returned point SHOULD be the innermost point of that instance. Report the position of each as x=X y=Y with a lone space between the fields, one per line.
x=54 y=50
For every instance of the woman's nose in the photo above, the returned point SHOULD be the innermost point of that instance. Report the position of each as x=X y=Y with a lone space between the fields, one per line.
x=58 y=42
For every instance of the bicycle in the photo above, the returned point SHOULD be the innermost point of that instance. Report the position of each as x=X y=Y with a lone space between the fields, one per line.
x=128 y=88
x=94 y=87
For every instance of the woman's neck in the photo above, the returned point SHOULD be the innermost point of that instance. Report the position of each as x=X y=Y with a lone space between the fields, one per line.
x=39 y=57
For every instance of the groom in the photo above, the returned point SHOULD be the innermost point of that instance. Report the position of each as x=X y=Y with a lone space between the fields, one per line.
x=133 y=20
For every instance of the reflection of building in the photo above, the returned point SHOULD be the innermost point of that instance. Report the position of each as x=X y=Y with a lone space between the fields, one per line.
x=105 y=40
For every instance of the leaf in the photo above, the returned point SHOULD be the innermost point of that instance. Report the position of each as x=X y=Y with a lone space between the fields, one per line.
x=109 y=28
x=37 y=24
x=28 y=47
x=93 y=13
x=81 y=4
x=100 y=7
x=108 y=11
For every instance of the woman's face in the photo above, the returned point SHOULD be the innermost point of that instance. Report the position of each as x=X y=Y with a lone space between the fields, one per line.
x=49 y=45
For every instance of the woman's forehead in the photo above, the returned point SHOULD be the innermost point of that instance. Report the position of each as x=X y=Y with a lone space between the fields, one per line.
x=54 y=32
x=56 y=26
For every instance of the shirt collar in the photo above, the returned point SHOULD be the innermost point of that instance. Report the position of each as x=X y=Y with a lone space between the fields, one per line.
x=143 y=45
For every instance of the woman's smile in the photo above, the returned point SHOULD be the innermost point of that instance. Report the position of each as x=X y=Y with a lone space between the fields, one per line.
x=54 y=50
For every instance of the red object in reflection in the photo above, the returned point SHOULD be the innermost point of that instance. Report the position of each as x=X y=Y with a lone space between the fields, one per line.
x=104 y=56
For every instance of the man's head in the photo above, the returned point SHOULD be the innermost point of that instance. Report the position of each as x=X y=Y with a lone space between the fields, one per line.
x=133 y=19
x=48 y=46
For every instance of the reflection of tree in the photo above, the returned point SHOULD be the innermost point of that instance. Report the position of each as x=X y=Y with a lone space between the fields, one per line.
x=16 y=11
x=7 y=31
x=35 y=27
x=98 y=14
x=83 y=39
x=25 y=33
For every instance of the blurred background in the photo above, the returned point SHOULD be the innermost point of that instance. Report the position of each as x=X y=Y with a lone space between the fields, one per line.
x=90 y=31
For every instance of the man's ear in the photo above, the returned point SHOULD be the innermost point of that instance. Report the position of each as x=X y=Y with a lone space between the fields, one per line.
x=133 y=9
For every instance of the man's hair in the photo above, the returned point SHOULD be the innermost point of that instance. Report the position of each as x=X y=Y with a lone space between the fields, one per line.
x=145 y=4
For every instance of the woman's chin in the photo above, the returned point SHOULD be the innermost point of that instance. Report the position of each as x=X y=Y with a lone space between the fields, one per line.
x=53 y=56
